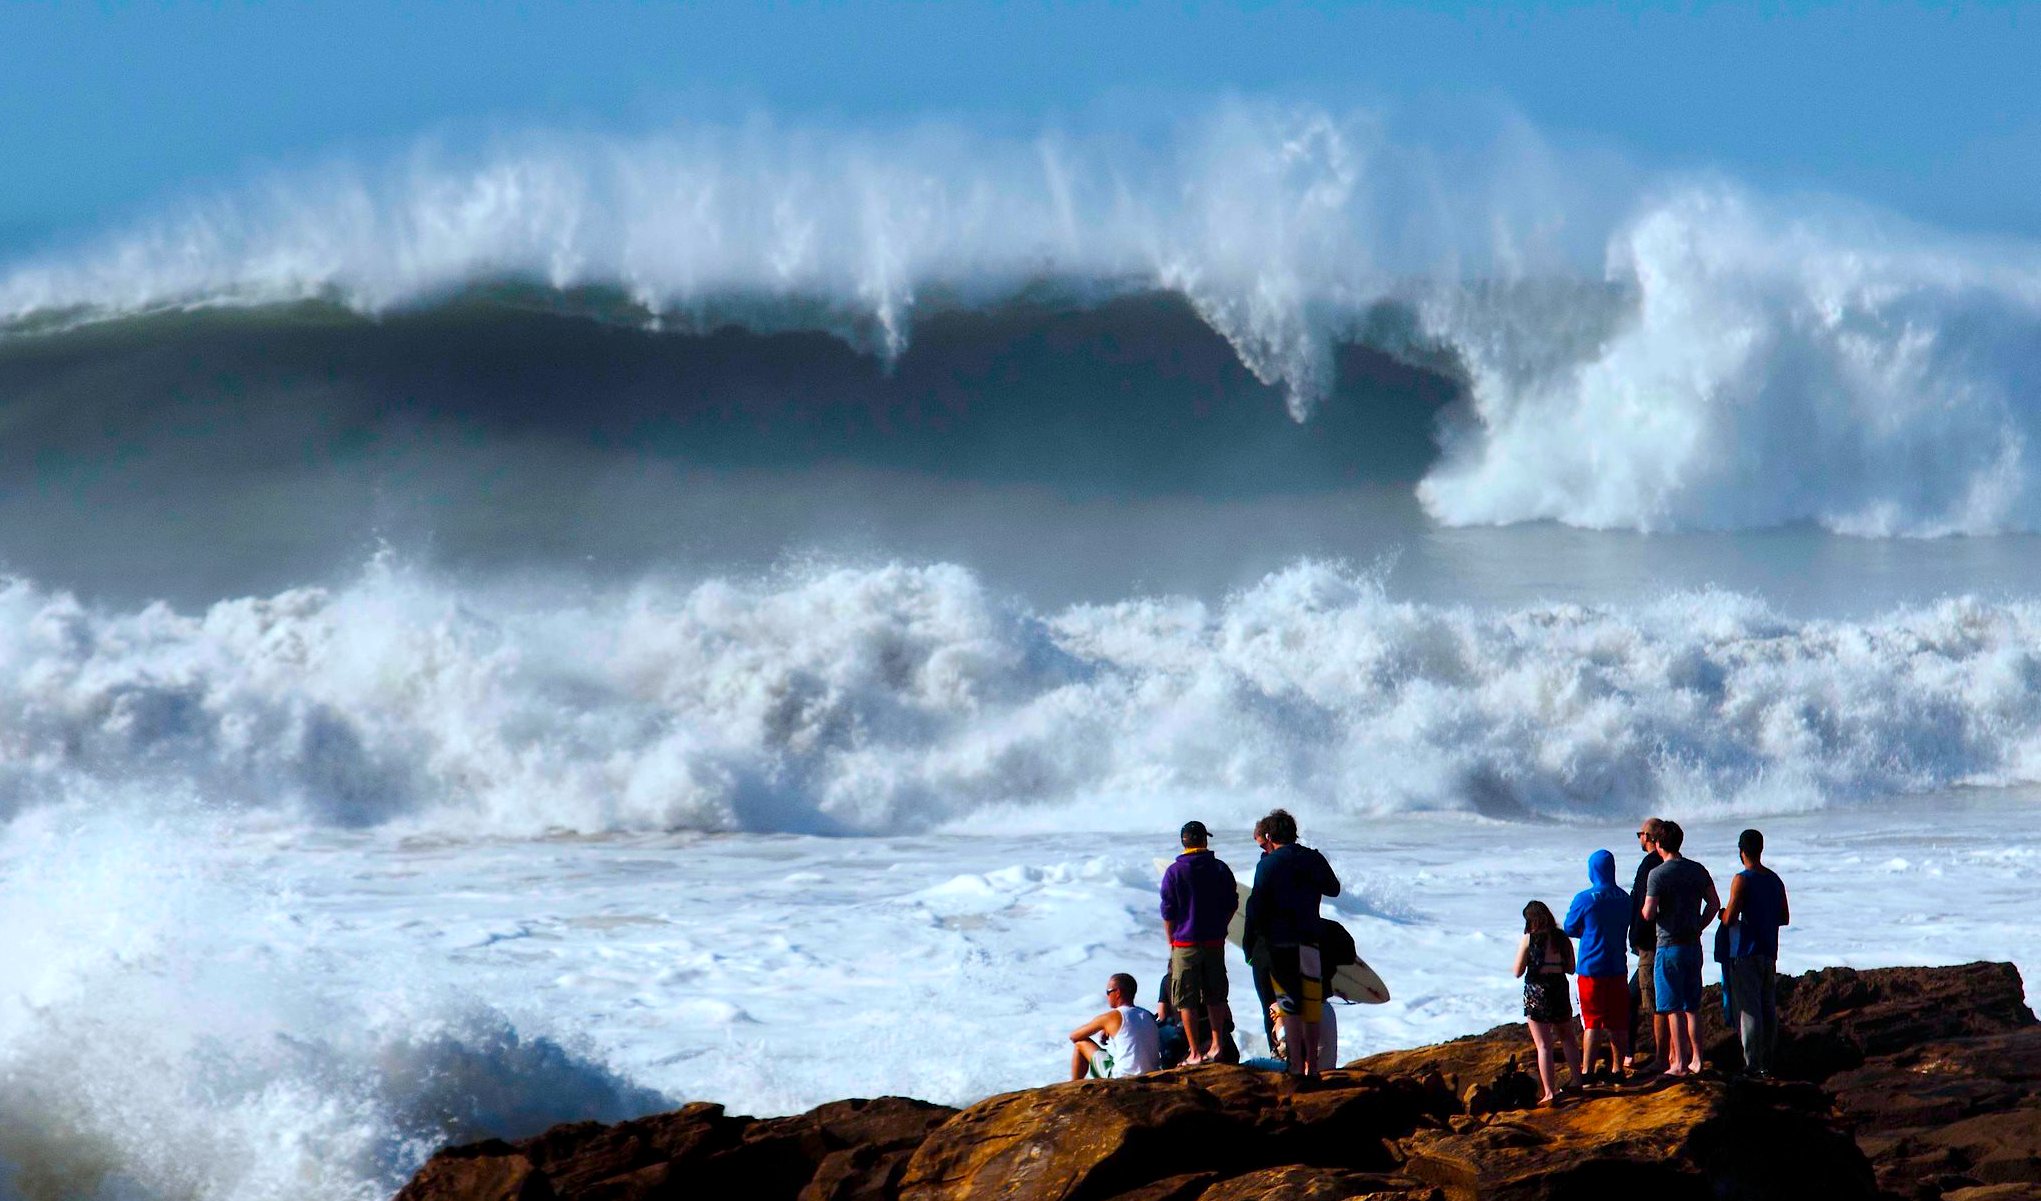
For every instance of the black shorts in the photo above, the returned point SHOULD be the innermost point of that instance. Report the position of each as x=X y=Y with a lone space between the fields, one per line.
x=1293 y=971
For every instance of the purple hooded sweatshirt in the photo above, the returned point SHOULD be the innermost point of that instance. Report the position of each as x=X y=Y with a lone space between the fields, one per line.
x=1198 y=899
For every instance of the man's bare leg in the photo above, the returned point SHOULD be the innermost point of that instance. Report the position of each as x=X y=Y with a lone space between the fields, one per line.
x=1312 y=1067
x=1294 y=1035
x=1692 y=1021
x=1221 y=1017
x=1080 y=1058
x=1194 y=1052
x=1676 y=1053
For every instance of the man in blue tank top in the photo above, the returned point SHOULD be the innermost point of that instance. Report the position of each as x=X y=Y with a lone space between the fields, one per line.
x=1757 y=908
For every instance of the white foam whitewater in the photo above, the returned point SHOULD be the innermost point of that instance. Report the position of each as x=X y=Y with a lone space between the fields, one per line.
x=176 y=1024
x=900 y=698
x=210 y=1010
x=297 y=888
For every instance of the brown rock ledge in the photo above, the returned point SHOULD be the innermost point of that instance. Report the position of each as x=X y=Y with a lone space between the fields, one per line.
x=1910 y=1083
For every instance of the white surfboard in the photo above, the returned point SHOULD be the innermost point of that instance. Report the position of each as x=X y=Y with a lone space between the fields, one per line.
x=1356 y=982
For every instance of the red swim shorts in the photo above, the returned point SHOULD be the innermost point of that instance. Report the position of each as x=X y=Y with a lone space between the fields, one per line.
x=1604 y=1002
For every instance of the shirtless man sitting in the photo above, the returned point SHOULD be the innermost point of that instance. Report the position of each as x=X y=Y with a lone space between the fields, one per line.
x=1131 y=1045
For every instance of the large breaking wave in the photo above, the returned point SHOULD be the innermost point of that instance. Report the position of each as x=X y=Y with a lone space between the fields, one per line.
x=1685 y=354
x=902 y=698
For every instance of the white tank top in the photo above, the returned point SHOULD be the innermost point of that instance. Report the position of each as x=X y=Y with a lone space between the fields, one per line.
x=1137 y=1048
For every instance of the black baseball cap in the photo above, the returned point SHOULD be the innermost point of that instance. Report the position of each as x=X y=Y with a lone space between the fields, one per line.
x=1194 y=831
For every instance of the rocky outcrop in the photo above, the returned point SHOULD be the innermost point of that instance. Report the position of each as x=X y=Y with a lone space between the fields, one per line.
x=1936 y=1071
x=1912 y=1083
x=1699 y=1140
x=1104 y=1138
x=843 y=1151
x=1837 y=1018
x=1942 y=1117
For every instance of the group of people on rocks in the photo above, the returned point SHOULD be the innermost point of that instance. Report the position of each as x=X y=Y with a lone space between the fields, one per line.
x=1670 y=905
x=1290 y=947
x=1292 y=951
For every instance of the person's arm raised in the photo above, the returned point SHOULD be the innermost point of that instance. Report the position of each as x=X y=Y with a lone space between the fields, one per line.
x=1575 y=924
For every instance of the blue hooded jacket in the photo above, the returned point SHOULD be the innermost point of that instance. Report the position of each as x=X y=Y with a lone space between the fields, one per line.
x=1600 y=918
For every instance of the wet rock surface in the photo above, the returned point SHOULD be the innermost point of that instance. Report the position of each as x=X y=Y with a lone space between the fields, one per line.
x=1898 y=1083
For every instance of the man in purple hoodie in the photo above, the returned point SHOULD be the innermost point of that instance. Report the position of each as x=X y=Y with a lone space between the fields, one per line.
x=1198 y=900
x=1600 y=918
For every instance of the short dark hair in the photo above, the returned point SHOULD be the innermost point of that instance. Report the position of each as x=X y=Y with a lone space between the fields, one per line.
x=1278 y=827
x=1125 y=984
x=1670 y=836
x=1194 y=834
x=1751 y=842
x=1653 y=827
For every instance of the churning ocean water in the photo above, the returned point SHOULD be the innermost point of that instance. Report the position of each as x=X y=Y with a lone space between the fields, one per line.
x=567 y=629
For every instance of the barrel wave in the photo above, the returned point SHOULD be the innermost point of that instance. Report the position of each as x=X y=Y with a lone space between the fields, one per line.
x=496 y=634
x=1561 y=340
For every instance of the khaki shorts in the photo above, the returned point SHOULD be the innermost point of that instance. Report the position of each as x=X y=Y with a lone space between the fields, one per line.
x=1197 y=977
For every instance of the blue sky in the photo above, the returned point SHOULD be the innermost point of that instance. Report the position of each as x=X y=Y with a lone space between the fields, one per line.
x=1935 y=112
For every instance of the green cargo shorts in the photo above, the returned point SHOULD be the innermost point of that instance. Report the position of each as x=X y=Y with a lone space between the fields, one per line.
x=1197 y=977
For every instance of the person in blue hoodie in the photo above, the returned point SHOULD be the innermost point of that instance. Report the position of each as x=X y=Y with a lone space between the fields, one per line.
x=1198 y=900
x=1600 y=918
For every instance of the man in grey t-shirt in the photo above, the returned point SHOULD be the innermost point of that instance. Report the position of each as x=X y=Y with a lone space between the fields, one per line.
x=1680 y=897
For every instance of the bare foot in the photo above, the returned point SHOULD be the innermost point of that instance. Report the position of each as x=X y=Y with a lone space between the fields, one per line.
x=1191 y=1061
x=1548 y=1101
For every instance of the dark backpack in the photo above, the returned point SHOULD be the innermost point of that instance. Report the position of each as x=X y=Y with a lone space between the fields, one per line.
x=1335 y=946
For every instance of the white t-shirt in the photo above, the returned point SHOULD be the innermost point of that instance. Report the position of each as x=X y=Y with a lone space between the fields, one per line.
x=1137 y=1048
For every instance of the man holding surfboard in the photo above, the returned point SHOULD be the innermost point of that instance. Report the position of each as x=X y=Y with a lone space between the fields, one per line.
x=1283 y=932
x=1198 y=899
